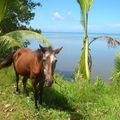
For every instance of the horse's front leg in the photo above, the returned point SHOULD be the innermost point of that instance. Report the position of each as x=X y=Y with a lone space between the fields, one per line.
x=34 y=85
x=41 y=85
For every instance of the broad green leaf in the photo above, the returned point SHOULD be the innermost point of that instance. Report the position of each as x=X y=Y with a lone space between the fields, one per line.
x=7 y=45
x=85 y=7
x=21 y=34
x=11 y=42
x=3 y=6
x=17 y=39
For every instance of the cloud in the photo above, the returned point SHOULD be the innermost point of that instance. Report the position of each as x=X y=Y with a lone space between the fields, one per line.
x=64 y=16
x=58 y=16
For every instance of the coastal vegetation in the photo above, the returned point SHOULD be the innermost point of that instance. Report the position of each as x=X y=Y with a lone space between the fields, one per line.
x=66 y=100
x=13 y=14
x=83 y=70
x=17 y=14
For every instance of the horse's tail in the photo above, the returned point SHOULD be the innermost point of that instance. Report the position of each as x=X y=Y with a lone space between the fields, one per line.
x=7 y=61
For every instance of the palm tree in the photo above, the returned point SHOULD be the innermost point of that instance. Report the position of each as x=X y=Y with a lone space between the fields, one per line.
x=16 y=39
x=84 y=69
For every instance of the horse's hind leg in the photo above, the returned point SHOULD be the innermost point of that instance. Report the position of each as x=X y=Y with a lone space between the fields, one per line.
x=17 y=78
x=24 y=85
x=17 y=81
x=35 y=92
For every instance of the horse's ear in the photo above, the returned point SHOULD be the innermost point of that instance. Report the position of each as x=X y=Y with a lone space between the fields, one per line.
x=42 y=48
x=58 y=50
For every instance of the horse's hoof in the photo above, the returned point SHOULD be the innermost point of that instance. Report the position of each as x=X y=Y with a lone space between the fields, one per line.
x=17 y=92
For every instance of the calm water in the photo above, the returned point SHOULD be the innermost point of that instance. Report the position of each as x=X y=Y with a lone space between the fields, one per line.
x=102 y=56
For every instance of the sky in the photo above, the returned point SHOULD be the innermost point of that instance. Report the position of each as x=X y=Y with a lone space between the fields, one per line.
x=65 y=16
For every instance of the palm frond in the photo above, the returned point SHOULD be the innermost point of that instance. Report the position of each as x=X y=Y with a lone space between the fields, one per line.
x=22 y=35
x=83 y=11
x=85 y=7
x=7 y=45
x=9 y=41
x=89 y=4
x=3 y=6
x=112 y=42
x=16 y=39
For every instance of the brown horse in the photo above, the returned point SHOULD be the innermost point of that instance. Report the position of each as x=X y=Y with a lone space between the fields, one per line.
x=37 y=65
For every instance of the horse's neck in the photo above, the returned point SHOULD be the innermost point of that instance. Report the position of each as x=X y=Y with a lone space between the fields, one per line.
x=39 y=55
x=37 y=64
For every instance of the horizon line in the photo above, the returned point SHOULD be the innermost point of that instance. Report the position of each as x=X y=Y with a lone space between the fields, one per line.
x=80 y=32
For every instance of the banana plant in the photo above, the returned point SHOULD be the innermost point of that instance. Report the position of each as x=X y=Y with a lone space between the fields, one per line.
x=84 y=69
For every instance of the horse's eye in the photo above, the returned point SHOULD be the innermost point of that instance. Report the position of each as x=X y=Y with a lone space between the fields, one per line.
x=56 y=60
x=44 y=60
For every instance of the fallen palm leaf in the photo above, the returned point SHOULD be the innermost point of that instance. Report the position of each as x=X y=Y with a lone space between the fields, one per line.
x=112 y=42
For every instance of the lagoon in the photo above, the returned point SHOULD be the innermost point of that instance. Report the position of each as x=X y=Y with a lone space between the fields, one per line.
x=102 y=56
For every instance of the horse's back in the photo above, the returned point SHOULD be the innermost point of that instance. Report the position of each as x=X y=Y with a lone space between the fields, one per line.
x=21 y=51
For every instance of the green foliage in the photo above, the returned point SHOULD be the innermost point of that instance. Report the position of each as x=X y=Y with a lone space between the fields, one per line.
x=85 y=7
x=116 y=74
x=3 y=7
x=16 y=39
x=99 y=82
x=117 y=63
x=27 y=34
x=17 y=14
x=84 y=60
x=66 y=100
x=7 y=45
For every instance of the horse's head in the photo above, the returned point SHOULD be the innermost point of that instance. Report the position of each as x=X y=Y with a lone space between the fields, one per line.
x=49 y=63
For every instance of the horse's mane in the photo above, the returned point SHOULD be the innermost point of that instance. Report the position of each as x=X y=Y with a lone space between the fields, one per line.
x=39 y=54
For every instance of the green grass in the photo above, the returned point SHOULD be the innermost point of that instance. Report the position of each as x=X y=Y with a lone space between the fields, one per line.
x=66 y=101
